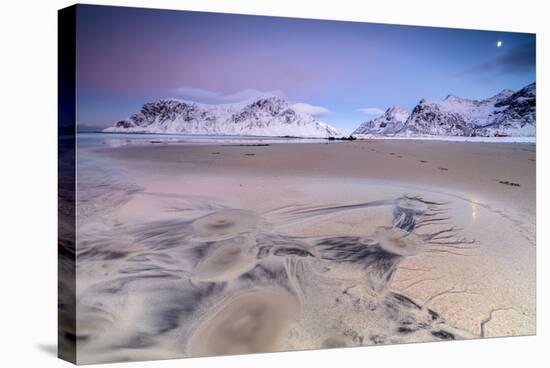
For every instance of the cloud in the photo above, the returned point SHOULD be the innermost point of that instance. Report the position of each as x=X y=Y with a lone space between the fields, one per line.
x=315 y=111
x=520 y=59
x=372 y=110
x=214 y=97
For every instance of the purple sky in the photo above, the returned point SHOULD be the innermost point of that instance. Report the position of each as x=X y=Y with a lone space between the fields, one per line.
x=343 y=72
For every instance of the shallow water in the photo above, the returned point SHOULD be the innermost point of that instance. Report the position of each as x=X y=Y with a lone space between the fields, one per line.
x=192 y=275
x=87 y=140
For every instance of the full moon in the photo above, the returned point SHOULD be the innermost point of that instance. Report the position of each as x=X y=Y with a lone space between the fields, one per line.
x=499 y=43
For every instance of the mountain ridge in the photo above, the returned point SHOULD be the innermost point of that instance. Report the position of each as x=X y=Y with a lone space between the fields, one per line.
x=508 y=113
x=263 y=116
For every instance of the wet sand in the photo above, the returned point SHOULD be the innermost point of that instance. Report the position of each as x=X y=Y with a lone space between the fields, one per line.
x=468 y=168
x=194 y=250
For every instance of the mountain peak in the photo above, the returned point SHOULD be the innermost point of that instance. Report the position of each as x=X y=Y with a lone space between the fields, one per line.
x=506 y=113
x=394 y=109
x=268 y=102
x=397 y=114
x=263 y=116
x=452 y=98
x=505 y=93
x=530 y=89
x=388 y=124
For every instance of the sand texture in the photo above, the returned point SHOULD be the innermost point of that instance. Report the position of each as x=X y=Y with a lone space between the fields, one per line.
x=197 y=250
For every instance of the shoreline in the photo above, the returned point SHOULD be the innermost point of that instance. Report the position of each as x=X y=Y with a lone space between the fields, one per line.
x=520 y=140
x=360 y=137
x=474 y=169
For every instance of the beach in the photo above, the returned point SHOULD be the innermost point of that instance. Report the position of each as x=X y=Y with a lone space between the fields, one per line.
x=238 y=247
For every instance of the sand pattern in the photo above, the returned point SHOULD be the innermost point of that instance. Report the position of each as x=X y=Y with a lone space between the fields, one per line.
x=194 y=276
x=223 y=283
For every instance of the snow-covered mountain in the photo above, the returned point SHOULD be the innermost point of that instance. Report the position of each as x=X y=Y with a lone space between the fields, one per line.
x=264 y=116
x=390 y=123
x=507 y=113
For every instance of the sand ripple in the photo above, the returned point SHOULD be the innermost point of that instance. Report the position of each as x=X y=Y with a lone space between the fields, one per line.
x=229 y=282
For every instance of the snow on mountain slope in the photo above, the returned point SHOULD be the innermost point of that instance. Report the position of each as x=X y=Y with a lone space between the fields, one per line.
x=265 y=116
x=391 y=122
x=508 y=113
